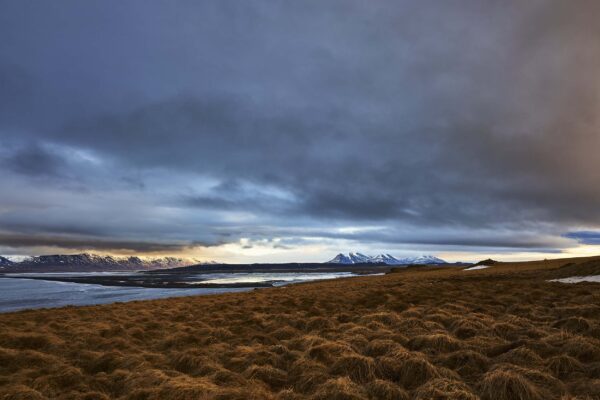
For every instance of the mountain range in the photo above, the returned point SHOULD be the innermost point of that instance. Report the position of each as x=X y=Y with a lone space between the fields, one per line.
x=359 y=258
x=92 y=262
x=89 y=262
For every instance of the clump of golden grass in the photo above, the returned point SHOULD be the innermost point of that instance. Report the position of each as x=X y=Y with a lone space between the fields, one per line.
x=573 y=324
x=21 y=392
x=563 y=365
x=329 y=352
x=588 y=390
x=182 y=388
x=306 y=375
x=359 y=368
x=582 y=348
x=289 y=394
x=273 y=377
x=385 y=318
x=380 y=347
x=444 y=389
x=467 y=363
x=439 y=333
x=192 y=363
x=593 y=370
x=438 y=343
x=506 y=330
x=385 y=390
x=408 y=369
x=513 y=381
x=319 y=324
x=339 y=389
x=284 y=333
x=464 y=328
x=224 y=377
x=502 y=384
x=520 y=356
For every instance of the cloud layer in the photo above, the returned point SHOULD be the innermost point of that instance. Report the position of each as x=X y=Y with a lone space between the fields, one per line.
x=136 y=126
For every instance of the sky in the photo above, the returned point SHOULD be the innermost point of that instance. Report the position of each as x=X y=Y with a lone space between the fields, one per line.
x=257 y=131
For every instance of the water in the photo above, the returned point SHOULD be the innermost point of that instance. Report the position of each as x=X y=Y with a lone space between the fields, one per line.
x=20 y=294
x=278 y=279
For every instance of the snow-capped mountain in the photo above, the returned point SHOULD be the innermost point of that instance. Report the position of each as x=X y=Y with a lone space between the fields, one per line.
x=5 y=262
x=358 y=258
x=386 y=259
x=340 y=259
x=92 y=262
x=425 y=259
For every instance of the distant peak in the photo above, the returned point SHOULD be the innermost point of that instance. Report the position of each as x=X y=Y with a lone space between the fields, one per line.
x=384 y=258
x=488 y=261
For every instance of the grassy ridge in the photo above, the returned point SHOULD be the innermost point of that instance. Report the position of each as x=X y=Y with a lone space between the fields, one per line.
x=499 y=333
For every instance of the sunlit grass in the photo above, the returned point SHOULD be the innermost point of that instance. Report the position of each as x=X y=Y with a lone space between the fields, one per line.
x=499 y=333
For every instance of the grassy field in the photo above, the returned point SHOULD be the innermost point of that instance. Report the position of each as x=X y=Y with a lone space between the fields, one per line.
x=499 y=333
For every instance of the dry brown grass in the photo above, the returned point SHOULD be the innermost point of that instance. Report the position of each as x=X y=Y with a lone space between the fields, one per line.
x=508 y=385
x=444 y=389
x=433 y=333
x=379 y=389
x=436 y=343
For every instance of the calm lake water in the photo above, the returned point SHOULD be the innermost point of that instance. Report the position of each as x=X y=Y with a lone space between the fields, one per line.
x=19 y=294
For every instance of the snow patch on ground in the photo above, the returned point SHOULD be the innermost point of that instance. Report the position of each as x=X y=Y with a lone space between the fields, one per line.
x=577 y=279
x=477 y=267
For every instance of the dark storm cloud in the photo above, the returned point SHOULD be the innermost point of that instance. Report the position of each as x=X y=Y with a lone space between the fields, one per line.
x=34 y=160
x=74 y=243
x=435 y=120
x=235 y=195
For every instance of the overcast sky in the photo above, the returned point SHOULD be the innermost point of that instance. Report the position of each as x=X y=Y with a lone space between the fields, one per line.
x=293 y=130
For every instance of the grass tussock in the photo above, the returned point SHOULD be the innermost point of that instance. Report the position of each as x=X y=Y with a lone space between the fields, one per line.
x=467 y=363
x=437 y=343
x=329 y=352
x=520 y=356
x=408 y=369
x=504 y=384
x=421 y=333
x=381 y=347
x=465 y=328
x=573 y=324
x=385 y=390
x=273 y=377
x=21 y=392
x=444 y=389
x=359 y=368
x=339 y=389
x=562 y=366
x=583 y=348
